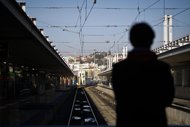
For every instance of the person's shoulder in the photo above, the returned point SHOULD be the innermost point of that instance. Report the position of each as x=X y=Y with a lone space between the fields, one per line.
x=163 y=64
x=120 y=63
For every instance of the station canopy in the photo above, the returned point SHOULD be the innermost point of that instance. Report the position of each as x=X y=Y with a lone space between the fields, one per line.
x=22 y=43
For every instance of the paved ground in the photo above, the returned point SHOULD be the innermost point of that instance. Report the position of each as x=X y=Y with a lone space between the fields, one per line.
x=35 y=110
x=39 y=110
x=109 y=113
x=104 y=107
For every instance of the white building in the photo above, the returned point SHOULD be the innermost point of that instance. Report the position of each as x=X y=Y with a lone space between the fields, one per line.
x=167 y=29
x=124 y=52
x=81 y=77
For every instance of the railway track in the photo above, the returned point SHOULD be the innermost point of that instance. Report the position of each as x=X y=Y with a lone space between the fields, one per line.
x=82 y=112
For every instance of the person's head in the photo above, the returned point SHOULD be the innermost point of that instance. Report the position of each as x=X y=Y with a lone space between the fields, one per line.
x=141 y=35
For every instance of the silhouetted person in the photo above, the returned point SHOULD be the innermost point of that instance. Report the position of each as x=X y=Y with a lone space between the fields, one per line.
x=143 y=85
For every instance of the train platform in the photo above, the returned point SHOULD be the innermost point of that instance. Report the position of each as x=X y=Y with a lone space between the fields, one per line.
x=179 y=109
x=39 y=110
x=182 y=102
x=35 y=110
x=177 y=101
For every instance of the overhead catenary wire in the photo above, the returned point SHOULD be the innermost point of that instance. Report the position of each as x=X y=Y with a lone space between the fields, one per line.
x=139 y=9
x=185 y=24
x=181 y=12
x=86 y=18
x=143 y=10
x=57 y=26
x=124 y=33
x=76 y=26
x=184 y=10
x=81 y=27
x=79 y=14
x=139 y=12
x=102 y=8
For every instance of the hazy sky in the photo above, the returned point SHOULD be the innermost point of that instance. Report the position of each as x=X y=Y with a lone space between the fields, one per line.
x=103 y=26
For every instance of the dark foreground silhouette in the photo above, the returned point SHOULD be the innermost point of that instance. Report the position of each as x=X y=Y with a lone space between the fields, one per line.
x=143 y=85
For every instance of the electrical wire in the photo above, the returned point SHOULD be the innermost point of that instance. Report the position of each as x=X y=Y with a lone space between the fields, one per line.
x=184 y=10
x=181 y=12
x=185 y=24
x=102 y=8
x=71 y=26
x=82 y=25
x=143 y=10
x=86 y=18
